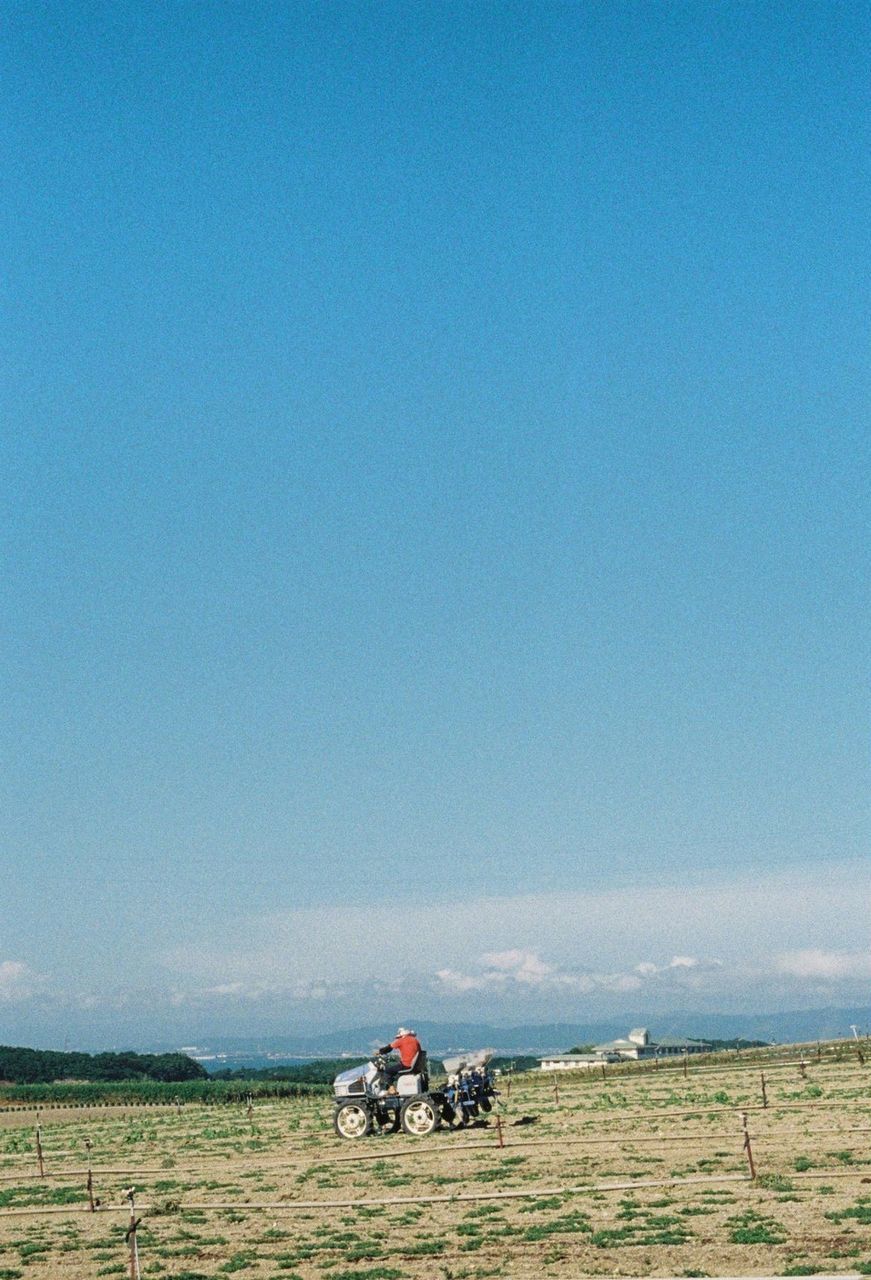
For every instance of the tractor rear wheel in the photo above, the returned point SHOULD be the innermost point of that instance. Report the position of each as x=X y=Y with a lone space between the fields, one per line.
x=420 y=1116
x=352 y=1120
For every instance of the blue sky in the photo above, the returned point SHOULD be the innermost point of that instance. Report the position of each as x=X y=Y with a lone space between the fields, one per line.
x=433 y=497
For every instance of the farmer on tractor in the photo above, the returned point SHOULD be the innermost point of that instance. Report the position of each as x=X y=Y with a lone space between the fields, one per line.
x=409 y=1049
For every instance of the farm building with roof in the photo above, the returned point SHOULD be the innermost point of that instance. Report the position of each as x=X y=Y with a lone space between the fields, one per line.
x=637 y=1044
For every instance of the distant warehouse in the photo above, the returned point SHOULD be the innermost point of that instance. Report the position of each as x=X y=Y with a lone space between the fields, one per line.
x=637 y=1044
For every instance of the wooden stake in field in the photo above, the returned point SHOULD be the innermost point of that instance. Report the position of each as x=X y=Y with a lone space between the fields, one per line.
x=130 y=1237
x=747 y=1147
x=91 y=1204
x=39 y=1158
x=250 y=1100
x=764 y=1091
x=499 y=1130
x=685 y=1060
x=555 y=1090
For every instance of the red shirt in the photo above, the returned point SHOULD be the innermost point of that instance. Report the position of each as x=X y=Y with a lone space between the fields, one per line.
x=408 y=1048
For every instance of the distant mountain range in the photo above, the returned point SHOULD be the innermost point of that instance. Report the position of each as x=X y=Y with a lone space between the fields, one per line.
x=445 y=1038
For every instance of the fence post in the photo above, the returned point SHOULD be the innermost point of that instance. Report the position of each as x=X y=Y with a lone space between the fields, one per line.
x=91 y=1204
x=499 y=1130
x=130 y=1237
x=764 y=1092
x=39 y=1158
x=555 y=1089
x=747 y=1147
x=685 y=1060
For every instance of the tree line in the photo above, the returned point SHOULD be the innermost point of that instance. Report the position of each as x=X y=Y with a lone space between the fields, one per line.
x=46 y=1066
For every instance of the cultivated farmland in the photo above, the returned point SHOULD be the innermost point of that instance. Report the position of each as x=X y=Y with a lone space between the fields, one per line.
x=637 y=1171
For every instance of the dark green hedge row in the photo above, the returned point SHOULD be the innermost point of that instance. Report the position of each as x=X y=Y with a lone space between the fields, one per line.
x=43 y=1066
x=154 y=1091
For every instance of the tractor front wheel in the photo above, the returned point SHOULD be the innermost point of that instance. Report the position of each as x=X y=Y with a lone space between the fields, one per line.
x=352 y=1120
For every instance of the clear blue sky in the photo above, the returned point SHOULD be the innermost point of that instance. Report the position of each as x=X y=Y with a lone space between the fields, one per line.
x=433 y=468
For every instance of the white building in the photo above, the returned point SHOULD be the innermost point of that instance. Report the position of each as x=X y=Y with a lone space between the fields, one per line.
x=636 y=1045
x=576 y=1061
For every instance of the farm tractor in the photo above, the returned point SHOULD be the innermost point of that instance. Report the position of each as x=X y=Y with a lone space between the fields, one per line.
x=364 y=1103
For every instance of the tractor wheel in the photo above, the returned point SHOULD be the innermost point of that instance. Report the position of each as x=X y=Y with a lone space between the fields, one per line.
x=420 y=1116
x=352 y=1120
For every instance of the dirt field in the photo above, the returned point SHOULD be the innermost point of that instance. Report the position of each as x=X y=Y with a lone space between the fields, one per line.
x=642 y=1173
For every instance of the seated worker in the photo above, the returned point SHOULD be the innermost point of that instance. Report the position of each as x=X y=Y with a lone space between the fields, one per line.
x=409 y=1049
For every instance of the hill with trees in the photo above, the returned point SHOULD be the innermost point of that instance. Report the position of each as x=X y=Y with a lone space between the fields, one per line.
x=47 y=1066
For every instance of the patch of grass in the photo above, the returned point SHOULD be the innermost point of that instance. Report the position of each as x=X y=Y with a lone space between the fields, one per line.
x=424 y=1248
x=860 y=1212
x=568 y=1224
x=753 y=1228
x=774 y=1182
x=373 y=1273
x=549 y=1202
x=238 y=1262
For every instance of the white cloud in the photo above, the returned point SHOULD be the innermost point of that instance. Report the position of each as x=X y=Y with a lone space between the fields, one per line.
x=17 y=981
x=525 y=969
x=522 y=966
x=657 y=942
x=826 y=965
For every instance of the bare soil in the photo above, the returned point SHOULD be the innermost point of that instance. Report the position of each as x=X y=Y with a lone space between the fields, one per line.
x=644 y=1173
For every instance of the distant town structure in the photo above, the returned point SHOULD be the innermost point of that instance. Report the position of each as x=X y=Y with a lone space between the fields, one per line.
x=637 y=1044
